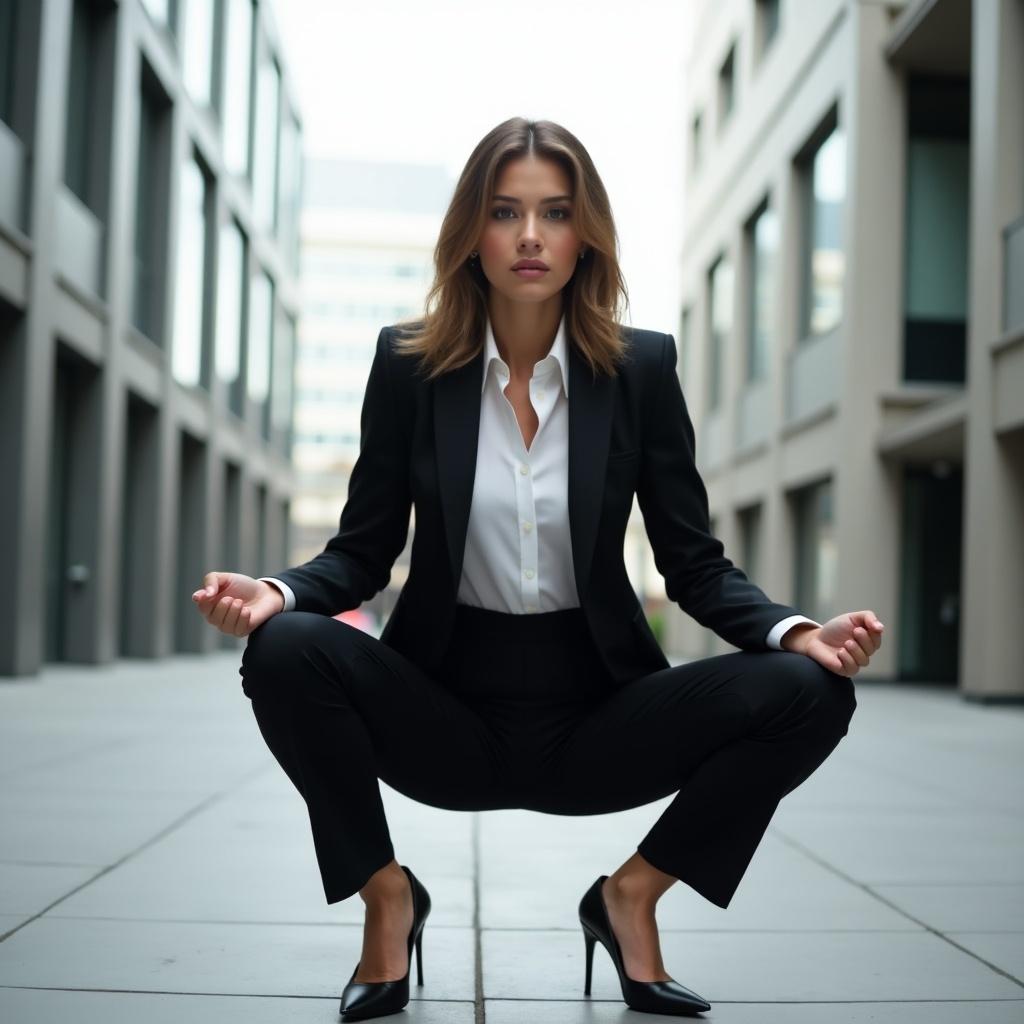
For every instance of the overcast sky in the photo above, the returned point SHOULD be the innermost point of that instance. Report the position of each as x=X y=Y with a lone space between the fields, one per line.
x=425 y=81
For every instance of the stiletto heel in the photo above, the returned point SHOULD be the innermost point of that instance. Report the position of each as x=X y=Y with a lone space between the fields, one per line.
x=667 y=997
x=363 y=999
x=589 y=940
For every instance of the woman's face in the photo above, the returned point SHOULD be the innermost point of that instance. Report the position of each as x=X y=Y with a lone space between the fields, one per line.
x=530 y=217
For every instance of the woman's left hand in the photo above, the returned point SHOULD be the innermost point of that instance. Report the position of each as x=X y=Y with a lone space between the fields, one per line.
x=844 y=645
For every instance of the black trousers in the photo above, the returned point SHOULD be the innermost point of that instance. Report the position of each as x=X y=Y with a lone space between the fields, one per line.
x=523 y=715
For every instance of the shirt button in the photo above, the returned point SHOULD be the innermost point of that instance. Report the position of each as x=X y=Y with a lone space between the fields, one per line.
x=527 y=526
x=529 y=574
x=524 y=469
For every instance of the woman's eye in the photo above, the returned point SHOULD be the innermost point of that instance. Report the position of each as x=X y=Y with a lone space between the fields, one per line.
x=563 y=213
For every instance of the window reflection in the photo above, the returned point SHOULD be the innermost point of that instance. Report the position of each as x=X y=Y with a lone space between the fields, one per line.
x=823 y=305
x=289 y=186
x=161 y=11
x=261 y=303
x=237 y=74
x=198 y=49
x=268 y=91
x=188 y=292
x=764 y=245
x=151 y=186
x=284 y=347
x=8 y=54
x=230 y=294
x=721 y=289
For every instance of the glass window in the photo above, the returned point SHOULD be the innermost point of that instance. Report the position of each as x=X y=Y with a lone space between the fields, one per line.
x=151 y=201
x=237 y=84
x=261 y=306
x=289 y=190
x=750 y=541
x=727 y=86
x=268 y=92
x=763 y=246
x=8 y=53
x=937 y=228
x=187 y=356
x=230 y=298
x=163 y=12
x=816 y=552
x=823 y=257
x=283 y=364
x=767 y=24
x=198 y=49
x=87 y=125
x=720 y=321
x=80 y=100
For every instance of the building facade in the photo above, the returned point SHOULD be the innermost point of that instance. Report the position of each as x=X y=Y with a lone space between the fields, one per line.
x=852 y=330
x=150 y=173
x=367 y=238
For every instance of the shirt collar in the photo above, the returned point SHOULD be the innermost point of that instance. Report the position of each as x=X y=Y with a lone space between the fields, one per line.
x=558 y=351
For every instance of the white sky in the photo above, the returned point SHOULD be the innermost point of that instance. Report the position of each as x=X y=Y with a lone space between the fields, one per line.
x=425 y=80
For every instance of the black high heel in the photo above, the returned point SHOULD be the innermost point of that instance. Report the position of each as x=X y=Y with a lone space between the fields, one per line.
x=646 y=996
x=363 y=999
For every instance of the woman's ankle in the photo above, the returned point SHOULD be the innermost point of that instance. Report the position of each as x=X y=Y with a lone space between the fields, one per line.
x=387 y=885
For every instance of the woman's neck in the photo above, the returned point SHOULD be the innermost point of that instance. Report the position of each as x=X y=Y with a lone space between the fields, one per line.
x=524 y=332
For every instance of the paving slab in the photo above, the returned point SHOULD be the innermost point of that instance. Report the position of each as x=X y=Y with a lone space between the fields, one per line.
x=157 y=864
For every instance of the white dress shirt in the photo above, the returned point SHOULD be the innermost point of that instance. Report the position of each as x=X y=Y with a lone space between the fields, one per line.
x=518 y=555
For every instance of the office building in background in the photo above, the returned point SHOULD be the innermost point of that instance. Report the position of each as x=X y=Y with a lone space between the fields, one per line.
x=368 y=234
x=150 y=170
x=852 y=331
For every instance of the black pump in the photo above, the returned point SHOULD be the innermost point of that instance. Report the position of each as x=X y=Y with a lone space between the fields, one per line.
x=363 y=999
x=645 y=996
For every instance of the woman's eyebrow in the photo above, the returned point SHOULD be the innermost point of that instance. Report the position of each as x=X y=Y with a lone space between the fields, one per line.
x=550 y=199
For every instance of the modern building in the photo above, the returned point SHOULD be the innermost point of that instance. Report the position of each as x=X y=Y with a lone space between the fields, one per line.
x=852 y=331
x=368 y=233
x=150 y=168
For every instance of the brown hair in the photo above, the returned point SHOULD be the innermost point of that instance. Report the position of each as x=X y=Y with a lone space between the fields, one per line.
x=451 y=331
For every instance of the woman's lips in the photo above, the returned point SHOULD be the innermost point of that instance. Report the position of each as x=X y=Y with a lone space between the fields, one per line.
x=531 y=272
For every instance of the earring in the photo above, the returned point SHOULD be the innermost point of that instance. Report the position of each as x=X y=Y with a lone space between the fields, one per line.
x=582 y=253
x=473 y=255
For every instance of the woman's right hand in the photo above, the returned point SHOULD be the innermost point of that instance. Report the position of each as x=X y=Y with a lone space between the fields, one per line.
x=237 y=604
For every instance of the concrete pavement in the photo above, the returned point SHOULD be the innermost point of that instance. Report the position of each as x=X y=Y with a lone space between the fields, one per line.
x=157 y=865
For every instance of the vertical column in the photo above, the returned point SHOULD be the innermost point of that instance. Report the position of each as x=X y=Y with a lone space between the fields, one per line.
x=777 y=526
x=993 y=584
x=21 y=632
x=866 y=498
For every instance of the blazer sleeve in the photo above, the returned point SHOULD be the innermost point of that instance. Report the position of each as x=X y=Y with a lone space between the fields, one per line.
x=356 y=562
x=674 y=504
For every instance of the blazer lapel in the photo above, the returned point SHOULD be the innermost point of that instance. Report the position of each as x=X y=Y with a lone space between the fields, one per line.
x=456 y=430
x=590 y=431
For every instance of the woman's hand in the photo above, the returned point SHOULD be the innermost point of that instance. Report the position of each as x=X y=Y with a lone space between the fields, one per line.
x=844 y=645
x=237 y=604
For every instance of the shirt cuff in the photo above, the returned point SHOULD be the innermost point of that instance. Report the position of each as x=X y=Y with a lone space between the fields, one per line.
x=778 y=631
x=287 y=592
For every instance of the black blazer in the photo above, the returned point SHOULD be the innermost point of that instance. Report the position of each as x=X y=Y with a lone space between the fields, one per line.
x=628 y=434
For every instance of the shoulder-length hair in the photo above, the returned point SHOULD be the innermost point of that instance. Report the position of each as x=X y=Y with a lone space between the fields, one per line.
x=451 y=330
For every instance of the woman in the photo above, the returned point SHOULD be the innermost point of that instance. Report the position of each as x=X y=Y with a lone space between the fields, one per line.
x=517 y=668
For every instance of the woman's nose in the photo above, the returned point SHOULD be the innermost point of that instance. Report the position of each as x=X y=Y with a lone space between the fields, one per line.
x=528 y=238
